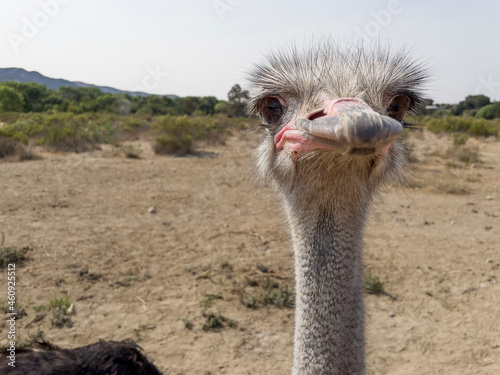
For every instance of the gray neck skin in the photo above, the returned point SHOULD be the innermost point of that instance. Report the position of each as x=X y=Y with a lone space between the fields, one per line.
x=329 y=331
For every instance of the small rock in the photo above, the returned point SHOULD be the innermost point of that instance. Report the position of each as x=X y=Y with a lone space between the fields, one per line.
x=70 y=310
x=489 y=260
x=490 y=197
x=452 y=222
x=152 y=210
x=392 y=315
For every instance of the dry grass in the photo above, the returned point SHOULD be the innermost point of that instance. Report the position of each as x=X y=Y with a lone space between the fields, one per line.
x=452 y=187
x=11 y=254
x=11 y=150
x=464 y=154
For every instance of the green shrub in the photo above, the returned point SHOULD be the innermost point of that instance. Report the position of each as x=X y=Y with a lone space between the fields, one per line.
x=461 y=124
x=66 y=131
x=460 y=139
x=489 y=111
x=179 y=134
x=170 y=144
x=63 y=131
x=482 y=128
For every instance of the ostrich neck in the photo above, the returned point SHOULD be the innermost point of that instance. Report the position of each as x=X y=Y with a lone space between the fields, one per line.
x=329 y=322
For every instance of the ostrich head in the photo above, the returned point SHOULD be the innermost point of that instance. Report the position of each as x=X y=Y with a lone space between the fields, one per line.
x=332 y=118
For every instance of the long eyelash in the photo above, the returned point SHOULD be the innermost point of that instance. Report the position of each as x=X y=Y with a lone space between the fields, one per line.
x=259 y=127
x=409 y=126
x=266 y=127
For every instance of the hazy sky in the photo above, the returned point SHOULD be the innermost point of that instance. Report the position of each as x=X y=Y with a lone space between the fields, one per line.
x=203 y=47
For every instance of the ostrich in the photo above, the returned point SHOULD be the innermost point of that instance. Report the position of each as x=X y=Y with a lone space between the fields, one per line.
x=101 y=358
x=332 y=118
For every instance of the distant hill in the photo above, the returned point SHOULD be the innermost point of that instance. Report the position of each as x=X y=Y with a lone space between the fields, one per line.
x=21 y=75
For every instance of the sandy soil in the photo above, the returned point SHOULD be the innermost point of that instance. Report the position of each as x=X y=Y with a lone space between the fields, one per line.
x=217 y=239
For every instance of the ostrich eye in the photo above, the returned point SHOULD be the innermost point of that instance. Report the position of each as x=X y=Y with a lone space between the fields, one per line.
x=398 y=107
x=271 y=111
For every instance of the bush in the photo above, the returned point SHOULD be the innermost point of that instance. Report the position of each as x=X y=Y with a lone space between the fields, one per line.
x=8 y=147
x=483 y=128
x=460 y=139
x=170 y=144
x=81 y=132
x=63 y=131
x=461 y=124
x=489 y=111
x=15 y=151
x=179 y=134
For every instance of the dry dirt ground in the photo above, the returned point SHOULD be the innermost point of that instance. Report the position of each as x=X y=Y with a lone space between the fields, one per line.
x=217 y=243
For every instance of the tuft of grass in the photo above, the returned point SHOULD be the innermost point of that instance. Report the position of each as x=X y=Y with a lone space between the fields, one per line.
x=459 y=139
x=132 y=152
x=453 y=188
x=262 y=268
x=187 y=323
x=40 y=308
x=216 y=322
x=207 y=303
x=59 y=307
x=270 y=293
x=251 y=302
x=206 y=275
x=278 y=296
x=63 y=302
x=127 y=280
x=372 y=284
x=226 y=266
x=10 y=254
x=60 y=319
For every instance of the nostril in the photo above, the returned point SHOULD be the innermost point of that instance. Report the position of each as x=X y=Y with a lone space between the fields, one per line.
x=316 y=115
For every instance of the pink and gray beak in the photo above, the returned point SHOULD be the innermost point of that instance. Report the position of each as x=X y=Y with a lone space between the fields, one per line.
x=350 y=126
